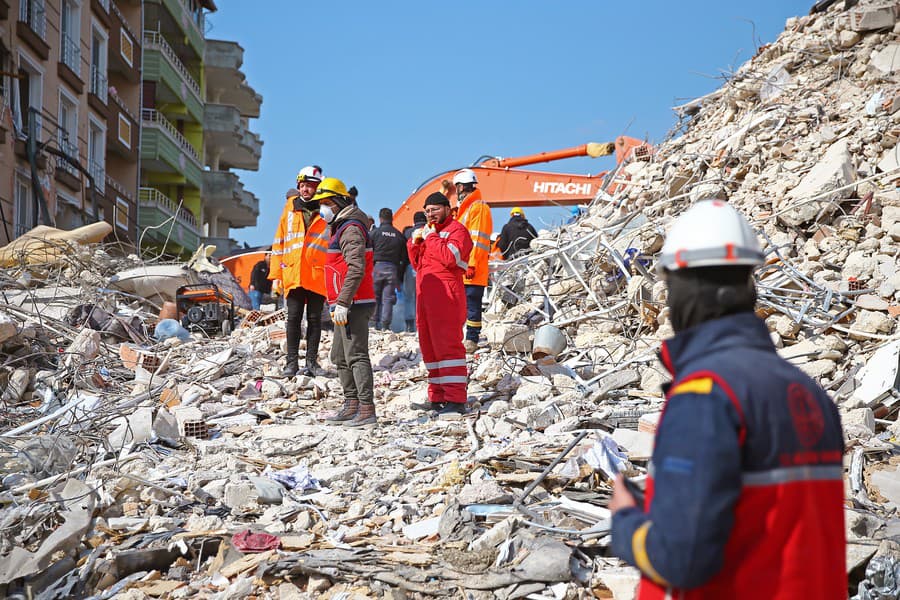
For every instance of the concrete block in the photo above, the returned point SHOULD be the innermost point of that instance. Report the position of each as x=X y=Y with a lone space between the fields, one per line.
x=8 y=327
x=511 y=336
x=240 y=494
x=868 y=18
x=859 y=417
x=886 y=60
x=834 y=170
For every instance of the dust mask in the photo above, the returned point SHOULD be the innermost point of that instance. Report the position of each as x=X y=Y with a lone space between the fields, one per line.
x=326 y=213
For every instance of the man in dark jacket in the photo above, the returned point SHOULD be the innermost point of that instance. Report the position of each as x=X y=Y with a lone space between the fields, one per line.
x=390 y=258
x=516 y=235
x=351 y=296
x=409 y=276
x=745 y=493
x=260 y=285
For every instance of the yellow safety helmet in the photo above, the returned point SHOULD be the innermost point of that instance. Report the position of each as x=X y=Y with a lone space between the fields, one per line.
x=329 y=188
x=516 y=211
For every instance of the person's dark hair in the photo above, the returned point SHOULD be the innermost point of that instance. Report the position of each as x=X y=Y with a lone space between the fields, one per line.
x=353 y=192
x=419 y=218
x=386 y=215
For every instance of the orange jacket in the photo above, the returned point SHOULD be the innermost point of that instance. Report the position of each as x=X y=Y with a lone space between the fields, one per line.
x=475 y=215
x=298 y=254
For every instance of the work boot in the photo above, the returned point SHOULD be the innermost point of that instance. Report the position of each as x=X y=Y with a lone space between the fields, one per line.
x=427 y=405
x=470 y=346
x=364 y=416
x=346 y=413
x=312 y=369
x=290 y=368
x=452 y=410
x=377 y=325
x=410 y=326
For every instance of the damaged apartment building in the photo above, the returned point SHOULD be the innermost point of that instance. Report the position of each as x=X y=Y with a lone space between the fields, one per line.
x=123 y=111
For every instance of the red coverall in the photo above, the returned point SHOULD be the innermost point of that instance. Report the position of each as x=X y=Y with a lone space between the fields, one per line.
x=440 y=261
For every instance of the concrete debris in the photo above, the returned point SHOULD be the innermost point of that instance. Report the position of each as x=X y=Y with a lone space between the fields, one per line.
x=183 y=464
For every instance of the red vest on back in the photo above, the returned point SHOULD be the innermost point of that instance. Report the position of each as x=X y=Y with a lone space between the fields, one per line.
x=336 y=268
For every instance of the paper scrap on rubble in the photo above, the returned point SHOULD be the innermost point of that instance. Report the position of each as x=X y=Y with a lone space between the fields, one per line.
x=295 y=478
x=605 y=456
x=211 y=366
x=422 y=529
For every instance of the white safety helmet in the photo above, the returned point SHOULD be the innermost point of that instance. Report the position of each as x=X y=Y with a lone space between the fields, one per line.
x=710 y=234
x=465 y=176
x=311 y=173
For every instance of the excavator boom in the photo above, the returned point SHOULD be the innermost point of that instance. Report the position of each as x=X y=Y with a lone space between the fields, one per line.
x=502 y=184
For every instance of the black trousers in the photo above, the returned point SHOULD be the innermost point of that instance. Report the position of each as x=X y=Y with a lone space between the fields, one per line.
x=297 y=299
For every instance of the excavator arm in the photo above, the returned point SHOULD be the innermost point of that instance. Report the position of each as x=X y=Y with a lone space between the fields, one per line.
x=503 y=184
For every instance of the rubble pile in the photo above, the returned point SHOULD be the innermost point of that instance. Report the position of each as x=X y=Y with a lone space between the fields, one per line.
x=139 y=460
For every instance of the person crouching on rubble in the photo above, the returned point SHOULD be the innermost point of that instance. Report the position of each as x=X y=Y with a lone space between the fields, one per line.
x=439 y=253
x=351 y=299
x=745 y=497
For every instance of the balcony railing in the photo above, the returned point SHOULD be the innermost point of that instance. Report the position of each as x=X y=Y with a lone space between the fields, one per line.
x=121 y=104
x=119 y=188
x=155 y=41
x=33 y=13
x=99 y=85
x=155 y=118
x=71 y=150
x=70 y=54
x=98 y=172
x=104 y=4
x=153 y=198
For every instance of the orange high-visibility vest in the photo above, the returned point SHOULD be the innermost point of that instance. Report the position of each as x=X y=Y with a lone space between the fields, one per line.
x=299 y=254
x=475 y=215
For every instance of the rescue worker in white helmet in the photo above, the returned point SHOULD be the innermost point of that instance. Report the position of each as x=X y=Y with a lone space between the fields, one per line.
x=745 y=494
x=297 y=268
x=475 y=216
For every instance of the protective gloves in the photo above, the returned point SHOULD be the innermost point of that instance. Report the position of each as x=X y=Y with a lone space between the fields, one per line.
x=339 y=315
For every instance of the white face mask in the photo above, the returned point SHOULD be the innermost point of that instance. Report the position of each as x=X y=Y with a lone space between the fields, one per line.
x=326 y=213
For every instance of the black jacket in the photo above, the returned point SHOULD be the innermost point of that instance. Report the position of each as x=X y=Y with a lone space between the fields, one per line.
x=389 y=245
x=259 y=277
x=516 y=236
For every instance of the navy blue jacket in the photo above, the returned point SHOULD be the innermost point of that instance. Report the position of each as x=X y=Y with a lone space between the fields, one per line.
x=745 y=481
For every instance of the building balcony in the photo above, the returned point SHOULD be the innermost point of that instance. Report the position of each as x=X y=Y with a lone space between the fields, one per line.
x=161 y=220
x=176 y=16
x=164 y=149
x=121 y=129
x=65 y=172
x=225 y=83
x=32 y=26
x=229 y=139
x=162 y=65
x=224 y=195
x=100 y=9
x=98 y=173
x=98 y=91
x=69 y=66
x=124 y=47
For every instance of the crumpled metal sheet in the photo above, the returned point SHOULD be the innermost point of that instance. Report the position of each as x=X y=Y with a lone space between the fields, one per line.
x=79 y=502
x=882 y=580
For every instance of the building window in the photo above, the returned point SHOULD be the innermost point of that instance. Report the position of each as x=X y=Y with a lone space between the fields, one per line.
x=125 y=131
x=126 y=46
x=98 y=63
x=67 y=133
x=121 y=213
x=70 y=35
x=24 y=220
x=29 y=92
x=34 y=14
x=97 y=154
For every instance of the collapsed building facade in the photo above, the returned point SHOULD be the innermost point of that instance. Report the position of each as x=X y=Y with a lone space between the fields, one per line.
x=144 y=467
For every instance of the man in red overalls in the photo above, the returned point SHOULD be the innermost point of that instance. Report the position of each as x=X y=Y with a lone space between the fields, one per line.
x=439 y=252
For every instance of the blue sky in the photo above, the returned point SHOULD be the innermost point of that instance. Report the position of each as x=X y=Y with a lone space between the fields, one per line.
x=385 y=94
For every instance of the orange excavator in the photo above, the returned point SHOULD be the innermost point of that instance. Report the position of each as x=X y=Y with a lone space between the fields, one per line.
x=503 y=184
